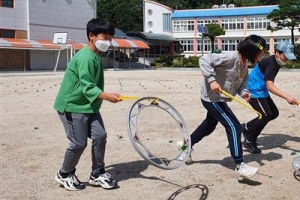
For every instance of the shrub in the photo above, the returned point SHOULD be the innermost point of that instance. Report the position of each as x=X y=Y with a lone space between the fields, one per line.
x=176 y=64
x=191 y=65
x=153 y=64
x=292 y=65
x=185 y=61
x=194 y=60
x=167 y=59
x=158 y=60
x=297 y=51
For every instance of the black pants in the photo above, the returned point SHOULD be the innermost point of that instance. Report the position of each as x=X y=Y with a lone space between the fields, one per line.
x=269 y=112
x=220 y=112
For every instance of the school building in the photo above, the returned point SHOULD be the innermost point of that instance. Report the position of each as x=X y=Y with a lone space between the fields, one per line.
x=238 y=22
x=45 y=34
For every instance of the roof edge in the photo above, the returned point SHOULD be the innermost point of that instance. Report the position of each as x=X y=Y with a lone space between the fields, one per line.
x=156 y=3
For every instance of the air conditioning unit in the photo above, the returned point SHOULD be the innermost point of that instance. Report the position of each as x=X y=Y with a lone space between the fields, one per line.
x=223 y=6
x=231 y=6
x=215 y=7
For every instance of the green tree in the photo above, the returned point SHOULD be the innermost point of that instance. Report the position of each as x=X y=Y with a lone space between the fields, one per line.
x=288 y=15
x=240 y=3
x=175 y=4
x=213 y=31
x=125 y=15
x=268 y=2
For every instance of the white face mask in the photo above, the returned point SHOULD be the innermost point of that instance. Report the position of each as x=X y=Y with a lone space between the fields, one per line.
x=102 y=45
x=280 y=62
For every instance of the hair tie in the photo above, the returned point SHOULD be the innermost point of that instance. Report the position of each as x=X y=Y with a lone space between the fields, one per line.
x=259 y=46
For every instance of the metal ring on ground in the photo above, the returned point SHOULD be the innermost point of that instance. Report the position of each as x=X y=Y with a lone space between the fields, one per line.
x=296 y=165
x=151 y=115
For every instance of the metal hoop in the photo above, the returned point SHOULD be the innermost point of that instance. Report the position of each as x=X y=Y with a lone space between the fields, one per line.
x=296 y=165
x=138 y=139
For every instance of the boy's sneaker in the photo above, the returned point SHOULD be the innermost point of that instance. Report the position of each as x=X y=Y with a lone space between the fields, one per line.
x=104 y=180
x=251 y=147
x=189 y=160
x=182 y=147
x=70 y=183
x=245 y=171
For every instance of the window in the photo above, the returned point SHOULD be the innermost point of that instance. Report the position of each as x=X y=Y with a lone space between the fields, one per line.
x=268 y=44
x=7 y=3
x=5 y=33
x=150 y=24
x=204 y=22
x=150 y=12
x=258 y=23
x=233 y=24
x=187 y=45
x=176 y=26
x=206 y=45
x=183 y=26
x=190 y=25
x=166 y=22
x=230 y=45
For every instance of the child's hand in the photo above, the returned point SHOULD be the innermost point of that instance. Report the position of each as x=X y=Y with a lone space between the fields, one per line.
x=215 y=87
x=246 y=96
x=111 y=97
x=292 y=100
x=114 y=97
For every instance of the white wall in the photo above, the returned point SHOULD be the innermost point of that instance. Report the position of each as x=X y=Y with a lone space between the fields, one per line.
x=14 y=18
x=153 y=12
x=49 y=16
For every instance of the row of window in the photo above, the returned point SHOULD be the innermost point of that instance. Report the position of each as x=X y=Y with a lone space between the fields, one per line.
x=7 y=3
x=227 y=24
x=227 y=45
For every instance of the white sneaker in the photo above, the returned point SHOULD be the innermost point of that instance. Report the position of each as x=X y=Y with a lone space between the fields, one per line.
x=70 y=183
x=182 y=147
x=245 y=171
x=104 y=180
x=189 y=160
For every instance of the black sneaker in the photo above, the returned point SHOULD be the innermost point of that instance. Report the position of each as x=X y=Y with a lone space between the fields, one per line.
x=251 y=147
x=71 y=182
x=104 y=180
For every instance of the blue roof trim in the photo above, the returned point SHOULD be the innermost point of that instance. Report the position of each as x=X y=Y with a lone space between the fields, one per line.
x=223 y=12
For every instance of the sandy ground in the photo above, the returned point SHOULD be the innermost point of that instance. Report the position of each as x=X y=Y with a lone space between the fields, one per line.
x=32 y=142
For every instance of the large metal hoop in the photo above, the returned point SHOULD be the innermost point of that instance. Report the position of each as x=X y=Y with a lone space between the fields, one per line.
x=296 y=165
x=138 y=140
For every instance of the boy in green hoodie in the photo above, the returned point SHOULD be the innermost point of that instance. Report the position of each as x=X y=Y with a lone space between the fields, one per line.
x=78 y=102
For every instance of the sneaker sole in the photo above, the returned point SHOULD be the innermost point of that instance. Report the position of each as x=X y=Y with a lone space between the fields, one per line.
x=252 y=152
x=247 y=177
x=249 y=150
x=105 y=186
x=189 y=161
x=64 y=184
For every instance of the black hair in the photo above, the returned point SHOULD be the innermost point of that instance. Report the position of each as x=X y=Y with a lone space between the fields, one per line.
x=280 y=52
x=97 y=26
x=251 y=46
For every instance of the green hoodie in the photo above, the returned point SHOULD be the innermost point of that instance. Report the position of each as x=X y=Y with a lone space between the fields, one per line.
x=82 y=83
